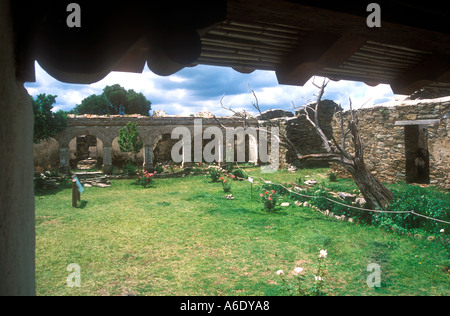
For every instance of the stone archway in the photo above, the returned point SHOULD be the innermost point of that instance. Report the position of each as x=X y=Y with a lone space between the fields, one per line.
x=83 y=148
x=69 y=135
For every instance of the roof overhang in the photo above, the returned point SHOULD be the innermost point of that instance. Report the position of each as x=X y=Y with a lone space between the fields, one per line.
x=296 y=39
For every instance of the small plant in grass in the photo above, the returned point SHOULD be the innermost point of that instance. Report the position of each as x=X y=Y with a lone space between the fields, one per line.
x=239 y=174
x=145 y=178
x=301 y=284
x=215 y=172
x=332 y=177
x=269 y=200
x=226 y=183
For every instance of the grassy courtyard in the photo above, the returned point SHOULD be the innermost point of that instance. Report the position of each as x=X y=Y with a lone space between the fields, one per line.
x=182 y=236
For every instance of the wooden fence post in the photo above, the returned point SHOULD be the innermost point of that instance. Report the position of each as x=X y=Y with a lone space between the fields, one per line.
x=75 y=193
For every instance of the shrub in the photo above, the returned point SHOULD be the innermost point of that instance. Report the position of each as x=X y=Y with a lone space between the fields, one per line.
x=430 y=203
x=332 y=177
x=226 y=184
x=39 y=180
x=129 y=169
x=159 y=168
x=215 y=172
x=145 y=178
x=239 y=174
x=269 y=200
x=302 y=282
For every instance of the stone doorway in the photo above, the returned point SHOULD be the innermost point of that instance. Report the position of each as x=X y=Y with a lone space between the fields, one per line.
x=417 y=166
x=84 y=152
x=417 y=155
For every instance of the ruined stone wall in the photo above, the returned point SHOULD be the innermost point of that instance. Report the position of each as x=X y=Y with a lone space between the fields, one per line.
x=385 y=143
x=302 y=135
x=155 y=132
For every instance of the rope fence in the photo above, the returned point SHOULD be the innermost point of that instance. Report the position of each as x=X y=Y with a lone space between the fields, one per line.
x=343 y=204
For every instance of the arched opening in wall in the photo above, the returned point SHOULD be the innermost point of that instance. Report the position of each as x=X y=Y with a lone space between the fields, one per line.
x=120 y=158
x=85 y=152
x=162 y=151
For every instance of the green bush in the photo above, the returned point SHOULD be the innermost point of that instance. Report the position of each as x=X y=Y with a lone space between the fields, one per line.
x=269 y=200
x=129 y=169
x=145 y=178
x=215 y=172
x=39 y=180
x=425 y=201
x=239 y=174
x=332 y=177
x=422 y=201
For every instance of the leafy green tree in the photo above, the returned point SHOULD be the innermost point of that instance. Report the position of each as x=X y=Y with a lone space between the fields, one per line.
x=137 y=103
x=117 y=97
x=115 y=100
x=46 y=123
x=129 y=140
x=94 y=104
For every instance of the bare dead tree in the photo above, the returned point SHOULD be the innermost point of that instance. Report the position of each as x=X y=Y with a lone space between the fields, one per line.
x=375 y=193
x=245 y=116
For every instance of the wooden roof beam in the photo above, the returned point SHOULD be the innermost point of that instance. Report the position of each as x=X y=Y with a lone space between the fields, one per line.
x=433 y=69
x=317 y=51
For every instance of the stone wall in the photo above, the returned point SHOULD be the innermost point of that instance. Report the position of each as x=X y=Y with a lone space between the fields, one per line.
x=387 y=147
x=302 y=135
x=385 y=143
x=155 y=132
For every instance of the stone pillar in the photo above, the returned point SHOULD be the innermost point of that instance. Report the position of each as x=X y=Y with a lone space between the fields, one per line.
x=64 y=159
x=17 y=218
x=148 y=157
x=252 y=149
x=107 y=158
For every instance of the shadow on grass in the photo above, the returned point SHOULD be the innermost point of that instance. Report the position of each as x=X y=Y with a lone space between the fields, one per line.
x=44 y=192
x=148 y=186
x=82 y=204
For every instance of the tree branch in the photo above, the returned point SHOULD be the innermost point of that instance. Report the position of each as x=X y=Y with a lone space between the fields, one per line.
x=328 y=157
x=325 y=141
x=255 y=105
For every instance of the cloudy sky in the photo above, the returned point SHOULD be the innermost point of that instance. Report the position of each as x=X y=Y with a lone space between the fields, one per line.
x=200 y=88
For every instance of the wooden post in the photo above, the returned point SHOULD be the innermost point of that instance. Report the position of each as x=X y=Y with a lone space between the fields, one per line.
x=251 y=187
x=75 y=193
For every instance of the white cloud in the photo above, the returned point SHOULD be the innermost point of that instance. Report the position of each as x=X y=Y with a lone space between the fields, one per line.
x=200 y=88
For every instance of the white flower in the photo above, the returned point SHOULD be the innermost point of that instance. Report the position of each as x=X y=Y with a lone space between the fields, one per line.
x=280 y=272
x=442 y=230
x=323 y=254
x=298 y=270
x=317 y=278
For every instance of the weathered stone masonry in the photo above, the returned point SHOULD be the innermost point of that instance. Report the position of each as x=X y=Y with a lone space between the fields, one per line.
x=396 y=139
x=406 y=141
x=152 y=131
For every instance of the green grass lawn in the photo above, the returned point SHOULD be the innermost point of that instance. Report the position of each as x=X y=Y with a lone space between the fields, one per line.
x=183 y=237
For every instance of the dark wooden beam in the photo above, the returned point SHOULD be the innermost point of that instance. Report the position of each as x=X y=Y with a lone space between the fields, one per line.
x=434 y=69
x=326 y=20
x=316 y=51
